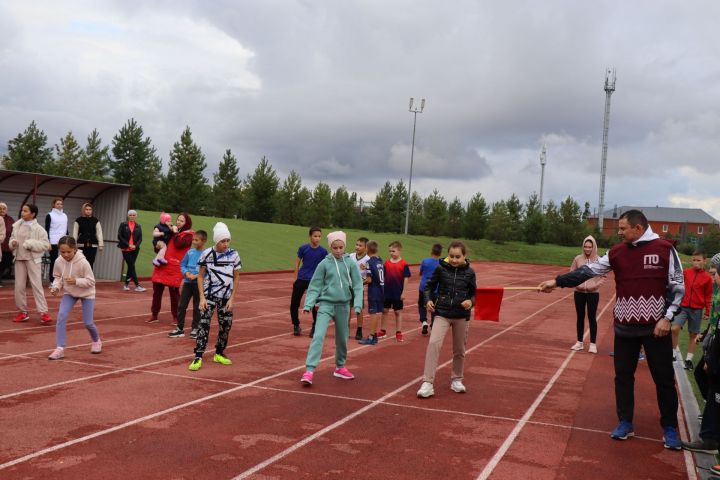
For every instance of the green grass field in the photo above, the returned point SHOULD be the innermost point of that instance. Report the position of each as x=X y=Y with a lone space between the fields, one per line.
x=268 y=246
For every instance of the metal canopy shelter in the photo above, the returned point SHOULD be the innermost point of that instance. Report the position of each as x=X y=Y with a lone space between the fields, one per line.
x=110 y=201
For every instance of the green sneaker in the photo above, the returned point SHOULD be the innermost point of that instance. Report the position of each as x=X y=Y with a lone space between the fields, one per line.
x=195 y=365
x=218 y=358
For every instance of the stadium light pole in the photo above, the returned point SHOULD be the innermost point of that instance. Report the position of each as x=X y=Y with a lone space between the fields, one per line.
x=610 y=78
x=543 y=161
x=414 y=111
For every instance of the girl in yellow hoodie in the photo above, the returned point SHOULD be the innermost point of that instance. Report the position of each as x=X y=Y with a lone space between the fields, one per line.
x=73 y=274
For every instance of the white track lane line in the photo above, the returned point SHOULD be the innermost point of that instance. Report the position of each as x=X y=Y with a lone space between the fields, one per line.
x=375 y=403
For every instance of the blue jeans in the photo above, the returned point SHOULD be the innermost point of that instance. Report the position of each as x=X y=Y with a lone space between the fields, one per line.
x=66 y=304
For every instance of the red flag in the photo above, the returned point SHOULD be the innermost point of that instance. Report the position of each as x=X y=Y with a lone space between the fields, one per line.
x=487 y=303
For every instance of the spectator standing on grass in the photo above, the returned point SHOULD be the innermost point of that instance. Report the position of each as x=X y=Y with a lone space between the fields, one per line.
x=309 y=255
x=56 y=226
x=74 y=276
x=646 y=269
x=707 y=376
x=450 y=294
x=6 y=224
x=698 y=295
x=87 y=231
x=218 y=277
x=337 y=286
x=169 y=274
x=587 y=296
x=29 y=242
x=129 y=239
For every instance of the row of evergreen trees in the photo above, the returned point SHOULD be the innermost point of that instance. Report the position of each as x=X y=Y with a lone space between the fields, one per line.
x=132 y=159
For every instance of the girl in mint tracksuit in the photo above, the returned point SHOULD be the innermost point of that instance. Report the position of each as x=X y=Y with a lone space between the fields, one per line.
x=336 y=286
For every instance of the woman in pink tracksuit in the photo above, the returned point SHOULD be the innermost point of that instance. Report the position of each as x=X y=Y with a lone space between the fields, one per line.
x=586 y=294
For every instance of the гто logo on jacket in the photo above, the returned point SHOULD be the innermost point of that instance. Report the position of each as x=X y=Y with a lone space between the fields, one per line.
x=651 y=262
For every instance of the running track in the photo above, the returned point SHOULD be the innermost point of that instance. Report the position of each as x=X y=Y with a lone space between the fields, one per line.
x=534 y=409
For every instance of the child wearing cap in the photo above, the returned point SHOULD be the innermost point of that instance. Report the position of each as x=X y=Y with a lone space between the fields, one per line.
x=337 y=286
x=162 y=233
x=218 y=276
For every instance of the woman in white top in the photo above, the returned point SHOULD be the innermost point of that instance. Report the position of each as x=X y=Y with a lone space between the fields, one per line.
x=56 y=225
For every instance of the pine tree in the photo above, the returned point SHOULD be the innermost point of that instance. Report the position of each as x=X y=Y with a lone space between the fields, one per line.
x=379 y=215
x=515 y=213
x=476 y=218
x=185 y=183
x=499 y=225
x=226 y=187
x=259 y=192
x=551 y=223
x=95 y=159
x=570 y=230
x=28 y=152
x=456 y=212
x=533 y=221
x=397 y=207
x=586 y=211
x=320 y=211
x=136 y=163
x=416 y=214
x=67 y=162
x=343 y=208
x=291 y=201
x=435 y=214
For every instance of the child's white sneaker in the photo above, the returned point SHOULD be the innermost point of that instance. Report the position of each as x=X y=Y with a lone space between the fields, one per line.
x=57 y=354
x=592 y=348
x=426 y=390
x=457 y=386
x=577 y=347
x=96 y=347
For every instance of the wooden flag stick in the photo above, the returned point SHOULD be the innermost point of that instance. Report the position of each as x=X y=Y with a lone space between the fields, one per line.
x=521 y=288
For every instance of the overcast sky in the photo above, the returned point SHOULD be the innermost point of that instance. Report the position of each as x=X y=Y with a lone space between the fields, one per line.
x=322 y=87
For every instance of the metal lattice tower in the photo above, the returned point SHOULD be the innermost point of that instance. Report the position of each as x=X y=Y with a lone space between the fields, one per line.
x=543 y=161
x=610 y=78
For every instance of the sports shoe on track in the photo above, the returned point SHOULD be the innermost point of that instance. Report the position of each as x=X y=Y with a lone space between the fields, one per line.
x=424 y=328
x=707 y=445
x=222 y=359
x=126 y=287
x=623 y=431
x=381 y=334
x=57 y=354
x=296 y=330
x=307 y=378
x=370 y=340
x=457 y=386
x=343 y=373
x=177 y=333
x=21 y=317
x=578 y=346
x=96 y=347
x=399 y=337
x=193 y=333
x=358 y=334
x=45 y=318
x=140 y=289
x=426 y=390
x=195 y=365
x=152 y=319
x=672 y=439
x=592 y=348
x=715 y=469
x=689 y=365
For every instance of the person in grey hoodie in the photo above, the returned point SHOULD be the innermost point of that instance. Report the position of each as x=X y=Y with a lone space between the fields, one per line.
x=586 y=295
x=337 y=286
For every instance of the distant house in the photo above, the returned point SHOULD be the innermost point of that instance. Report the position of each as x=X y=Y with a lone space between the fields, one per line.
x=679 y=223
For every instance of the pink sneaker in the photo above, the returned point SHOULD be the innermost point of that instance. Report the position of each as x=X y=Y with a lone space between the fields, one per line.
x=96 y=347
x=343 y=373
x=57 y=354
x=307 y=378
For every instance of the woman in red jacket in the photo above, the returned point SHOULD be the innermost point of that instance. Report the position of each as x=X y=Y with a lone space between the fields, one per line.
x=169 y=275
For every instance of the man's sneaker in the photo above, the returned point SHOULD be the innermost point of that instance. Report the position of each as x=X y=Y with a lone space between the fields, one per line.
x=703 y=445
x=152 y=319
x=399 y=337
x=126 y=287
x=592 y=348
x=457 y=386
x=424 y=328
x=57 y=354
x=426 y=390
x=358 y=334
x=672 y=439
x=193 y=333
x=689 y=365
x=578 y=346
x=623 y=431
x=222 y=359
x=381 y=334
x=307 y=378
x=139 y=289
x=21 y=317
x=45 y=318
x=96 y=347
x=370 y=340
x=343 y=373
x=296 y=330
x=195 y=365
x=177 y=333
